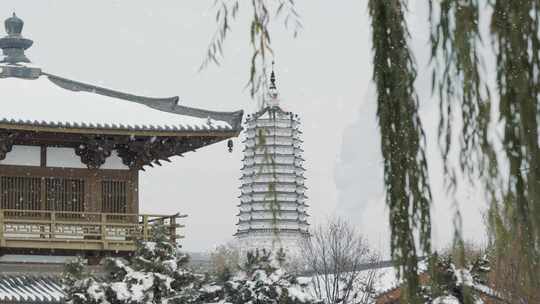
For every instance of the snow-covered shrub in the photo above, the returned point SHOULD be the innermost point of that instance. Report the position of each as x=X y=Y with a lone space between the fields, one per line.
x=261 y=280
x=157 y=274
x=452 y=284
x=80 y=287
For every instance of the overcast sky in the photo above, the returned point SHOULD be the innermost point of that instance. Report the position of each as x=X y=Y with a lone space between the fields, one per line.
x=154 y=48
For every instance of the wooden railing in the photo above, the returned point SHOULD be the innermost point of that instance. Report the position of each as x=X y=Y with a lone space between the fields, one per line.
x=41 y=229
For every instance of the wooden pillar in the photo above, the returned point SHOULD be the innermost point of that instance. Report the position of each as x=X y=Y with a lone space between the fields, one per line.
x=43 y=205
x=2 y=239
x=43 y=184
x=104 y=231
x=43 y=191
x=93 y=192
x=134 y=192
x=43 y=156
x=145 y=227
x=53 y=225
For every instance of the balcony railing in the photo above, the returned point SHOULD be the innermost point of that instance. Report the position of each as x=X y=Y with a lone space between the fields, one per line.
x=40 y=229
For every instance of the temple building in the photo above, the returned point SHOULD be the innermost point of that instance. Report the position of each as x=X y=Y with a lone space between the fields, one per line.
x=273 y=209
x=70 y=157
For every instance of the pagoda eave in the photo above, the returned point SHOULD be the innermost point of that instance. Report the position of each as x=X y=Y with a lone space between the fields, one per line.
x=271 y=230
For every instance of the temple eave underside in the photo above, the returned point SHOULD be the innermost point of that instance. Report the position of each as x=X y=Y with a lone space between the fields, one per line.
x=93 y=149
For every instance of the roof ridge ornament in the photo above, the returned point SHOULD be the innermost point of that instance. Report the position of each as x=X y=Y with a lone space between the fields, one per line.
x=14 y=44
x=14 y=25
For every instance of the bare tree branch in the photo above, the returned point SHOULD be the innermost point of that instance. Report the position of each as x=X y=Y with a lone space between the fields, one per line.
x=334 y=256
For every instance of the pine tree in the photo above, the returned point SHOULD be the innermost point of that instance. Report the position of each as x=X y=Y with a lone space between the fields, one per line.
x=261 y=280
x=453 y=284
x=80 y=287
x=157 y=274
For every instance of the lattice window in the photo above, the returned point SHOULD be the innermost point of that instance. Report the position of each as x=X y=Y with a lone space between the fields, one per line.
x=20 y=192
x=114 y=196
x=64 y=194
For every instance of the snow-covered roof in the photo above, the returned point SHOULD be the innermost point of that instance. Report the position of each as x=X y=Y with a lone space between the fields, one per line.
x=42 y=102
x=34 y=289
x=31 y=98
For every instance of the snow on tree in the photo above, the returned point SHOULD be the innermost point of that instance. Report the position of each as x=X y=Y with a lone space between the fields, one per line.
x=452 y=284
x=157 y=274
x=80 y=287
x=261 y=280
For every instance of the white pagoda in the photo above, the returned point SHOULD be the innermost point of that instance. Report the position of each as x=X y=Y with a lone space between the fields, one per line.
x=272 y=201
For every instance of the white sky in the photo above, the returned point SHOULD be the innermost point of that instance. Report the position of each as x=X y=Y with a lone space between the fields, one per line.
x=155 y=48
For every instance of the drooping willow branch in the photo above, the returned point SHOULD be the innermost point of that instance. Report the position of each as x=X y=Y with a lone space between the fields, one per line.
x=263 y=13
x=515 y=29
x=515 y=214
x=456 y=62
x=226 y=12
x=408 y=194
x=455 y=41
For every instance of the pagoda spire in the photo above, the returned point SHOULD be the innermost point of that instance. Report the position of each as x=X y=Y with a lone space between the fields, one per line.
x=273 y=78
x=273 y=94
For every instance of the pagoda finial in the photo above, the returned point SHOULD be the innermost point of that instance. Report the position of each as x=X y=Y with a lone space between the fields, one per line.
x=273 y=78
x=273 y=95
x=14 y=45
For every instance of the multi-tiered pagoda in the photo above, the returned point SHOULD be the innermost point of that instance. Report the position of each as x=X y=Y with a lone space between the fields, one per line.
x=272 y=201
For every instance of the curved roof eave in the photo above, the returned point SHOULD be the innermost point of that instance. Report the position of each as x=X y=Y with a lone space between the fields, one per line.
x=169 y=104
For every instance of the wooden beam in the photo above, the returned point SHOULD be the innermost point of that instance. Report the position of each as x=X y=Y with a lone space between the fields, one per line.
x=43 y=156
x=13 y=170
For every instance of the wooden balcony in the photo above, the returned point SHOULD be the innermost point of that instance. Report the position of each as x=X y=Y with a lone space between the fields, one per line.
x=85 y=231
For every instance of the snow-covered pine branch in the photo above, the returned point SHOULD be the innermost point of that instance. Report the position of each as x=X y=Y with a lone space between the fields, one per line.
x=261 y=280
x=157 y=274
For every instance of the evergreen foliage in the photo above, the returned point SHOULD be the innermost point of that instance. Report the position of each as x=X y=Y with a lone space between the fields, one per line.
x=261 y=280
x=79 y=285
x=157 y=274
x=449 y=281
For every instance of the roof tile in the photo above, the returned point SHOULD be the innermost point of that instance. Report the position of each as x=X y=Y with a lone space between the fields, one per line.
x=28 y=288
